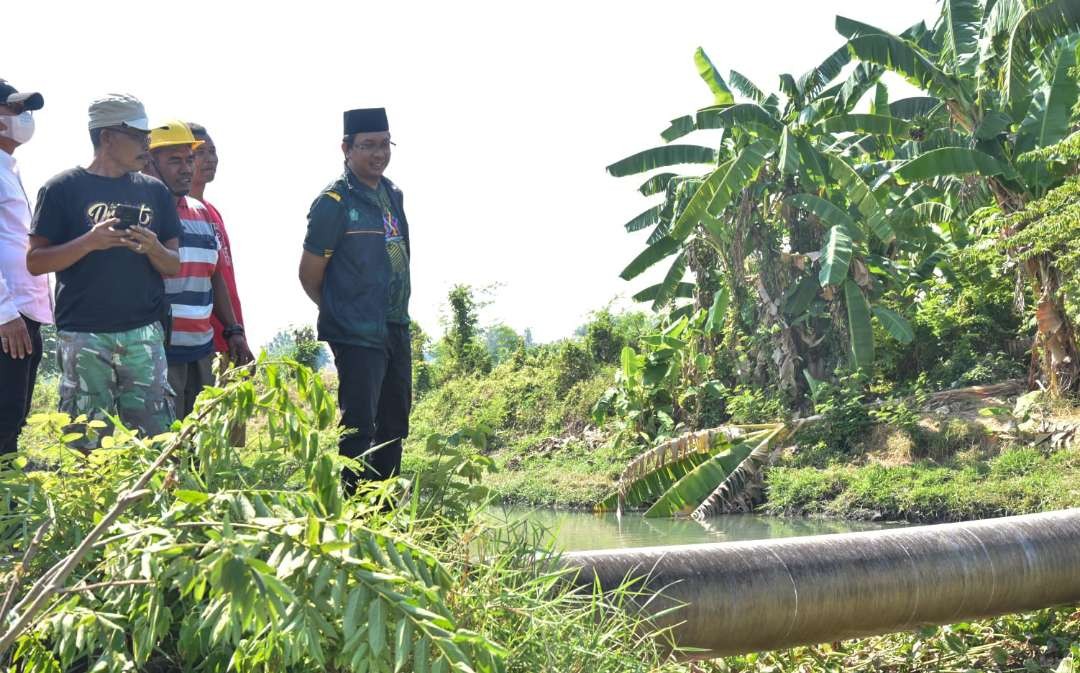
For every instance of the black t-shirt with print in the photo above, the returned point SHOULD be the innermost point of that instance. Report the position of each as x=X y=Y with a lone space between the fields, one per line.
x=112 y=290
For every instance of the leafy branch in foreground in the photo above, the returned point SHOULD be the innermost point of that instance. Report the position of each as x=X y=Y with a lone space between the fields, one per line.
x=182 y=553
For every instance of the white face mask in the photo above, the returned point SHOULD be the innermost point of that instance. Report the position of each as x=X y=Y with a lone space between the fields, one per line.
x=20 y=128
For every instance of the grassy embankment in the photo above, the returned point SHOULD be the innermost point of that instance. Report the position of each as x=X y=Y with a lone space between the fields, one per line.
x=947 y=468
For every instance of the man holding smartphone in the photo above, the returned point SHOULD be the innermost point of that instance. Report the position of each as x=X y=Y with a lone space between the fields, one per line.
x=24 y=299
x=110 y=290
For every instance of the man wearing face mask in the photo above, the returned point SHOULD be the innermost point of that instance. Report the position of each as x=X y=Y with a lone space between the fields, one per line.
x=110 y=234
x=355 y=267
x=199 y=290
x=24 y=299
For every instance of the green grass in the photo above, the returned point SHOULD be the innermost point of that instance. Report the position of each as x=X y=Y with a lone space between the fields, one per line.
x=535 y=432
x=1016 y=481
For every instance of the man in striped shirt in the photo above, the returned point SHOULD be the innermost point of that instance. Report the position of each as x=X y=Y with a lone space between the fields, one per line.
x=199 y=290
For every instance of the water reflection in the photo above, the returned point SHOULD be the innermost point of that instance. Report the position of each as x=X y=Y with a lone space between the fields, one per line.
x=584 y=530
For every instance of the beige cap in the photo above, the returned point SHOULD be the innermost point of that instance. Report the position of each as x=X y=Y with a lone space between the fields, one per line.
x=118 y=109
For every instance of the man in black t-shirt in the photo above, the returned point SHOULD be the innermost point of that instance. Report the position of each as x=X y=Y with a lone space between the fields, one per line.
x=110 y=294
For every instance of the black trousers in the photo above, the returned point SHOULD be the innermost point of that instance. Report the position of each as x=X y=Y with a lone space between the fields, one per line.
x=17 y=379
x=375 y=397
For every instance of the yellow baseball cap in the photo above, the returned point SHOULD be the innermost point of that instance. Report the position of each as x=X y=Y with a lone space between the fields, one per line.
x=172 y=133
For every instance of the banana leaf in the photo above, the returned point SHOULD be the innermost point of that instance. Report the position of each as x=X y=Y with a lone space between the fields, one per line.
x=903 y=58
x=874 y=124
x=658 y=157
x=656 y=184
x=948 y=161
x=895 y=324
x=645 y=219
x=743 y=85
x=743 y=475
x=741 y=172
x=861 y=331
x=721 y=93
x=858 y=192
x=1039 y=26
x=685 y=494
x=649 y=256
x=835 y=257
x=958 y=34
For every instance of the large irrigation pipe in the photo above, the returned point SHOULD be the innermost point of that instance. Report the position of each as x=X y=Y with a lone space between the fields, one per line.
x=739 y=597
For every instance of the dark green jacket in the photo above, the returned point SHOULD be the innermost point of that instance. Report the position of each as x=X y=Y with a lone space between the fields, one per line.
x=345 y=224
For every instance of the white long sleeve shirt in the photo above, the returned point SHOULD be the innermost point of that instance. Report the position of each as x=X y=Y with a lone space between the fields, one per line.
x=20 y=292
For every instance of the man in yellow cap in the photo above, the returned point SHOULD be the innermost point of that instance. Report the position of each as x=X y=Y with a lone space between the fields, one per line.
x=110 y=235
x=199 y=289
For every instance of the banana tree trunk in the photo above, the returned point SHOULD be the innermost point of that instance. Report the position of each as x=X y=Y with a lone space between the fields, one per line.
x=1055 y=347
x=1055 y=360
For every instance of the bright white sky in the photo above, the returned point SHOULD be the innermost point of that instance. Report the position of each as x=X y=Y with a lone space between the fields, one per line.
x=505 y=116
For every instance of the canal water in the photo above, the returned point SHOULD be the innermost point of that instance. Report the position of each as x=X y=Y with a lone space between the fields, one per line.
x=584 y=530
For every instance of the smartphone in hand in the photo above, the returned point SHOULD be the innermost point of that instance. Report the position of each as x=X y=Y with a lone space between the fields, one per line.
x=128 y=216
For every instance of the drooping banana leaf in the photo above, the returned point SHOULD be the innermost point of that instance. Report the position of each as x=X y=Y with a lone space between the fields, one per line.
x=958 y=34
x=670 y=283
x=645 y=219
x=743 y=475
x=903 y=58
x=814 y=80
x=683 y=291
x=695 y=211
x=658 y=157
x=948 y=161
x=743 y=169
x=828 y=212
x=880 y=106
x=835 y=257
x=865 y=123
x=656 y=184
x=789 y=154
x=678 y=128
x=799 y=298
x=916 y=106
x=1038 y=27
x=685 y=494
x=743 y=85
x=750 y=114
x=859 y=81
x=895 y=324
x=649 y=475
x=861 y=331
x=718 y=311
x=651 y=255
x=858 y=192
x=1062 y=93
x=851 y=28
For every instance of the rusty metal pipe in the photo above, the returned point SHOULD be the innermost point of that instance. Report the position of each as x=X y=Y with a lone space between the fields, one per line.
x=742 y=597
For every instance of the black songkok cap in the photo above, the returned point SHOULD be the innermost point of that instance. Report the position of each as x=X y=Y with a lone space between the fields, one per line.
x=366 y=120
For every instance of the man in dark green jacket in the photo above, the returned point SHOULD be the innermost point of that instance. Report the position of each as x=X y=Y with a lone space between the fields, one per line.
x=355 y=267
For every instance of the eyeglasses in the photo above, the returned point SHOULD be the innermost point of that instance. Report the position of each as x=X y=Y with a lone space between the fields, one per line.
x=371 y=147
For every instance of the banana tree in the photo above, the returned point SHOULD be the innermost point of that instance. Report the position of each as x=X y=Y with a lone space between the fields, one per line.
x=785 y=202
x=1004 y=72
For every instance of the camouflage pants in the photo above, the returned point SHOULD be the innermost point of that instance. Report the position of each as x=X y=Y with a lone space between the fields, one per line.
x=120 y=373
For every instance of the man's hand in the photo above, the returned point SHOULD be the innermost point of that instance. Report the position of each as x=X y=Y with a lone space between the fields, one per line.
x=239 y=353
x=141 y=240
x=102 y=236
x=15 y=339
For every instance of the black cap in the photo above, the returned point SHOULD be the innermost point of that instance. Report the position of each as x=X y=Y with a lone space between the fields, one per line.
x=366 y=120
x=9 y=94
